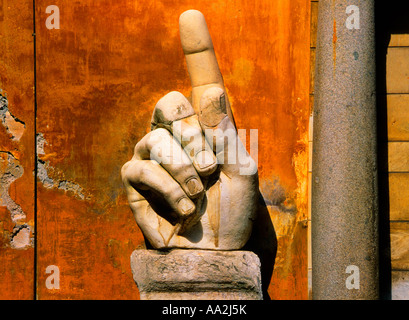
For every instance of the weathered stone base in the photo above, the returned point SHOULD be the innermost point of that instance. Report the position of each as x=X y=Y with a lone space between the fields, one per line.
x=182 y=274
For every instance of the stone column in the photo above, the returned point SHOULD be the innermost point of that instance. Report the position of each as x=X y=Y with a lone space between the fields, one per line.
x=344 y=171
x=182 y=274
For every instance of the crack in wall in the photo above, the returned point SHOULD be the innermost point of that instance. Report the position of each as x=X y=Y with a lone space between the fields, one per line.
x=13 y=125
x=44 y=170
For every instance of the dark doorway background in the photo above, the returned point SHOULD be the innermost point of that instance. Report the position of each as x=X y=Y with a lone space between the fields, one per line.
x=391 y=17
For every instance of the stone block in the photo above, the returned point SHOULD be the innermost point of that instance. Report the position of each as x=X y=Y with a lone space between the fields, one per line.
x=398 y=156
x=398 y=117
x=399 y=196
x=399 y=245
x=183 y=274
x=399 y=40
x=397 y=70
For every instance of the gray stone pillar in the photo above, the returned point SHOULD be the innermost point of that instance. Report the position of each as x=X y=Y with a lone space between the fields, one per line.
x=183 y=274
x=344 y=168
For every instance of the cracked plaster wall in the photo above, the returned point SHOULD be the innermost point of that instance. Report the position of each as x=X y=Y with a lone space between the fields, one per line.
x=21 y=236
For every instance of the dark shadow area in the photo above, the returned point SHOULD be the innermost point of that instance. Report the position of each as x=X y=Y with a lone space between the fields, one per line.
x=263 y=242
x=391 y=17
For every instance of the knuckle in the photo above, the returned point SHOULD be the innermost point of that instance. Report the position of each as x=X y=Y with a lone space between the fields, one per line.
x=171 y=107
x=124 y=170
x=144 y=172
x=173 y=192
x=156 y=137
x=131 y=171
x=179 y=171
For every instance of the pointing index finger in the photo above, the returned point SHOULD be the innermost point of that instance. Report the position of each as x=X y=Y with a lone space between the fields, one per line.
x=198 y=48
x=200 y=56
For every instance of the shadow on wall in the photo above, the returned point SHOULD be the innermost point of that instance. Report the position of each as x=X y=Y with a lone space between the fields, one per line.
x=263 y=242
x=391 y=17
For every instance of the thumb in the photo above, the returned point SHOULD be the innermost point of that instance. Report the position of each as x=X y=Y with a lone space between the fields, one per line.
x=222 y=135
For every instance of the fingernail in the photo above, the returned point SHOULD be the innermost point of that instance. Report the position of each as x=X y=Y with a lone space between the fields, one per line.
x=194 y=187
x=204 y=159
x=186 y=206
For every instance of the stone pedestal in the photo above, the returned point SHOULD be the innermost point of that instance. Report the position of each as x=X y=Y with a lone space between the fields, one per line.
x=182 y=274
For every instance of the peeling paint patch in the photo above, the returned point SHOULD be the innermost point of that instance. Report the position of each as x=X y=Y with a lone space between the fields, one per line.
x=71 y=186
x=11 y=170
x=40 y=140
x=13 y=125
x=21 y=237
x=43 y=174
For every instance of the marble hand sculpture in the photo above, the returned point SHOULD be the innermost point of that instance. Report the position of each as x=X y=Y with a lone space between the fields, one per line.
x=191 y=182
